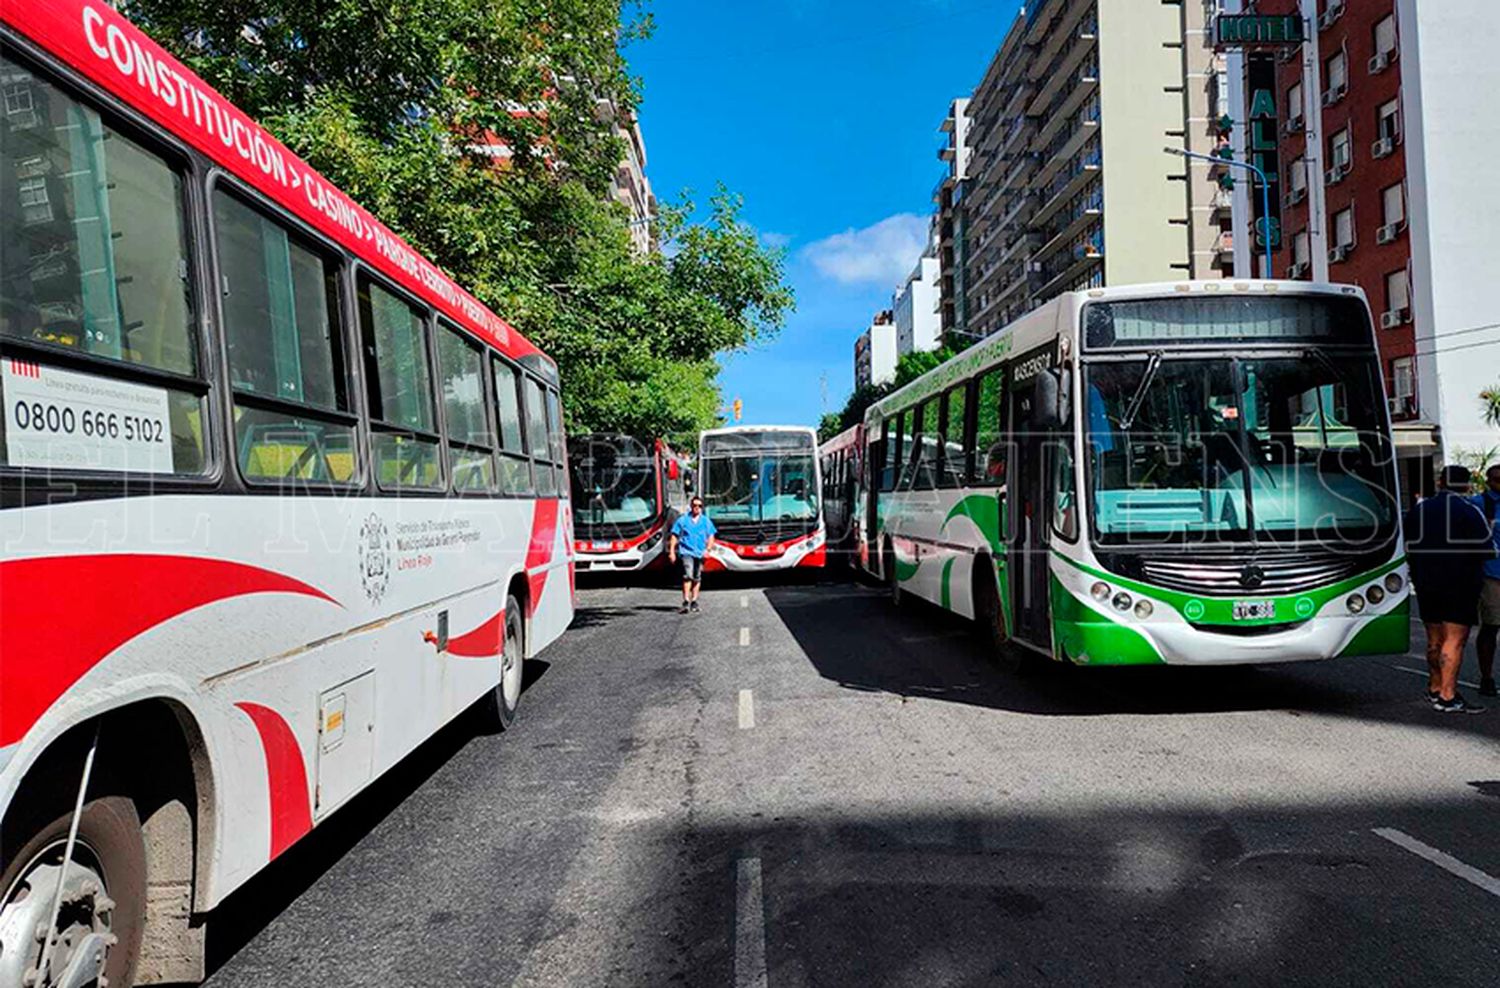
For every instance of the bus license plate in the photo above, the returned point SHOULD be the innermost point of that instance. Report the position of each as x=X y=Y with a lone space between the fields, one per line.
x=599 y=546
x=1254 y=610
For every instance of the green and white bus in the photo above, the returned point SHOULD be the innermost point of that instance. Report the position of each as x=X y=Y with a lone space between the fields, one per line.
x=1198 y=473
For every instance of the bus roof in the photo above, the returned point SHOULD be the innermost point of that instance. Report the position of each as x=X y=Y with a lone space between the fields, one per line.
x=1033 y=328
x=849 y=437
x=94 y=40
x=729 y=430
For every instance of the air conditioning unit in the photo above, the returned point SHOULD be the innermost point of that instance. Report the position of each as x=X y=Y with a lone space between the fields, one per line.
x=1293 y=125
x=1296 y=195
x=1379 y=62
x=1331 y=13
x=1383 y=147
x=1387 y=233
x=1394 y=318
x=1295 y=271
x=1402 y=405
x=1339 y=253
x=1335 y=175
x=1334 y=94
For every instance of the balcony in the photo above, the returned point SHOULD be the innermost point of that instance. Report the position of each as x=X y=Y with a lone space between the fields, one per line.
x=1062 y=154
x=1221 y=205
x=1084 y=170
x=1079 y=67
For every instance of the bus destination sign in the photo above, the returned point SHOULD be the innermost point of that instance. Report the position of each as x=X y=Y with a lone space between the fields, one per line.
x=1258 y=30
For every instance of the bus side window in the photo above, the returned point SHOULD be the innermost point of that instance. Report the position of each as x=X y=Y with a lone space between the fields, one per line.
x=989 y=433
x=281 y=316
x=911 y=447
x=955 y=428
x=95 y=262
x=404 y=418
x=538 y=440
x=471 y=441
x=515 y=468
x=557 y=442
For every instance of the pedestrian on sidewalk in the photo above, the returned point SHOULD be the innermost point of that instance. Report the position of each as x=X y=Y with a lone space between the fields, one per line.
x=1447 y=545
x=1488 y=502
x=693 y=535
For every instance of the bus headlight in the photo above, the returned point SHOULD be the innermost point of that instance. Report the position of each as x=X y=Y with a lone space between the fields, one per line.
x=1143 y=609
x=1394 y=583
x=1100 y=591
x=1355 y=603
x=1375 y=594
x=1122 y=601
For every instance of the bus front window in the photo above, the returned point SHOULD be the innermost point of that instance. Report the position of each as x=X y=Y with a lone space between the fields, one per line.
x=1284 y=448
x=769 y=488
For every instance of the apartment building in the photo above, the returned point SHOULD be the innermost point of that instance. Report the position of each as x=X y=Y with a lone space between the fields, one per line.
x=916 y=308
x=875 y=352
x=948 y=219
x=1378 y=140
x=1068 y=186
x=629 y=184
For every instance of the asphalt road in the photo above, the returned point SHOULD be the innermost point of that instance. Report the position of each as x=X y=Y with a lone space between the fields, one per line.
x=884 y=807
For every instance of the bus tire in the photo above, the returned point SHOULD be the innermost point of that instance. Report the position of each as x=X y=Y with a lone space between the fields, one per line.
x=888 y=570
x=989 y=625
x=502 y=702
x=108 y=896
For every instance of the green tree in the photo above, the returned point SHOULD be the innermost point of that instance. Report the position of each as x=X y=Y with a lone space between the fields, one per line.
x=401 y=104
x=1490 y=398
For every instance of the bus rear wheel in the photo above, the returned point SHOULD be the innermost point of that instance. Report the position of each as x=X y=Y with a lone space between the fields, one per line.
x=888 y=569
x=502 y=702
x=103 y=910
x=989 y=624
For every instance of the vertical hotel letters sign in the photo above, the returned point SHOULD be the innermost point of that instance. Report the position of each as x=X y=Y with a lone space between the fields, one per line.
x=1264 y=123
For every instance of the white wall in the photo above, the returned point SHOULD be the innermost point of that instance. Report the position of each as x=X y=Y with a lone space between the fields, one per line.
x=1449 y=78
x=883 y=353
x=918 y=324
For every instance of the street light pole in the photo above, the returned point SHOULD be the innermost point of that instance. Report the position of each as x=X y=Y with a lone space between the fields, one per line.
x=1265 y=192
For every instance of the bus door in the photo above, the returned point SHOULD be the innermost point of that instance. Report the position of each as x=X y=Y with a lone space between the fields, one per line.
x=1029 y=526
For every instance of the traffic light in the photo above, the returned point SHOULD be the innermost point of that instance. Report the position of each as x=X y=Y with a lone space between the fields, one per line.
x=739 y=406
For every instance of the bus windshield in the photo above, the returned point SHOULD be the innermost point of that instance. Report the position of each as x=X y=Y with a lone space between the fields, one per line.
x=614 y=487
x=1278 y=447
x=763 y=479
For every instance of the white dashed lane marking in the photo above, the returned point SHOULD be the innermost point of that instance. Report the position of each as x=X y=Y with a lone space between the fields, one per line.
x=744 y=636
x=747 y=710
x=1445 y=861
x=744 y=600
x=749 y=927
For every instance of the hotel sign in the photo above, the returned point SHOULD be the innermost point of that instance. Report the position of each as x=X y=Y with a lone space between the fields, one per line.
x=1258 y=30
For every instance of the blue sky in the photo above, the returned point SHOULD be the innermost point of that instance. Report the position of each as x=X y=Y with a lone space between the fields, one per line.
x=823 y=114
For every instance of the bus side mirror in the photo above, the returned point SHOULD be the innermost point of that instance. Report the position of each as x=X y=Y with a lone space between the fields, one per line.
x=1052 y=399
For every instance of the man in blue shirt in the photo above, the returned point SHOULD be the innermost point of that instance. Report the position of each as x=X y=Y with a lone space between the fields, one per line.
x=1488 y=502
x=1447 y=546
x=692 y=538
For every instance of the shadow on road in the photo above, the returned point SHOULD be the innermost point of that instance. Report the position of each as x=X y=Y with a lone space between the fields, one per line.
x=861 y=642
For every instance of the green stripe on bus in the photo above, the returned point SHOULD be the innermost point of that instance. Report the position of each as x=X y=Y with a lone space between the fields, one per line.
x=1389 y=634
x=1220 y=610
x=984 y=511
x=1086 y=637
x=947 y=584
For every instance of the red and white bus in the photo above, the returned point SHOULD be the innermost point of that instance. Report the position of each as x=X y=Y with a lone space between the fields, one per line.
x=625 y=498
x=841 y=460
x=761 y=486
x=277 y=500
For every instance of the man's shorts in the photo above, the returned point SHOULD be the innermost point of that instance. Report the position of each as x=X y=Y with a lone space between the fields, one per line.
x=1489 y=602
x=692 y=567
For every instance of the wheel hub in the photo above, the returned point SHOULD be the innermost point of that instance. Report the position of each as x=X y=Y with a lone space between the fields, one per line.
x=83 y=923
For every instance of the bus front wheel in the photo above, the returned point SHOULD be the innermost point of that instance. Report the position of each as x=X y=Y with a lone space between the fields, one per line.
x=103 y=907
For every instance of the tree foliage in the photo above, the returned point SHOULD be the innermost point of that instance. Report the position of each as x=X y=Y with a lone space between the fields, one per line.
x=1489 y=400
x=908 y=368
x=402 y=106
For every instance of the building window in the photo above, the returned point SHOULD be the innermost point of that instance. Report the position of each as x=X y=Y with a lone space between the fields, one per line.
x=1388 y=121
x=1294 y=101
x=1339 y=150
x=1299 y=175
x=1301 y=249
x=1397 y=293
x=1336 y=71
x=1393 y=205
x=1343 y=228
x=1385 y=35
x=1403 y=387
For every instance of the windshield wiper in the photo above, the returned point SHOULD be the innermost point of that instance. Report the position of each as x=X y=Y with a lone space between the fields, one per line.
x=1139 y=398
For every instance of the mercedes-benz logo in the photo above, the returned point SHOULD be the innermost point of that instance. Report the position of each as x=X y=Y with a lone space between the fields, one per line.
x=1252 y=576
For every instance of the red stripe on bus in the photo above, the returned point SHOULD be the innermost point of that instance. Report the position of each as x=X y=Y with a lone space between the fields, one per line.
x=482 y=643
x=539 y=550
x=61 y=615
x=286 y=777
